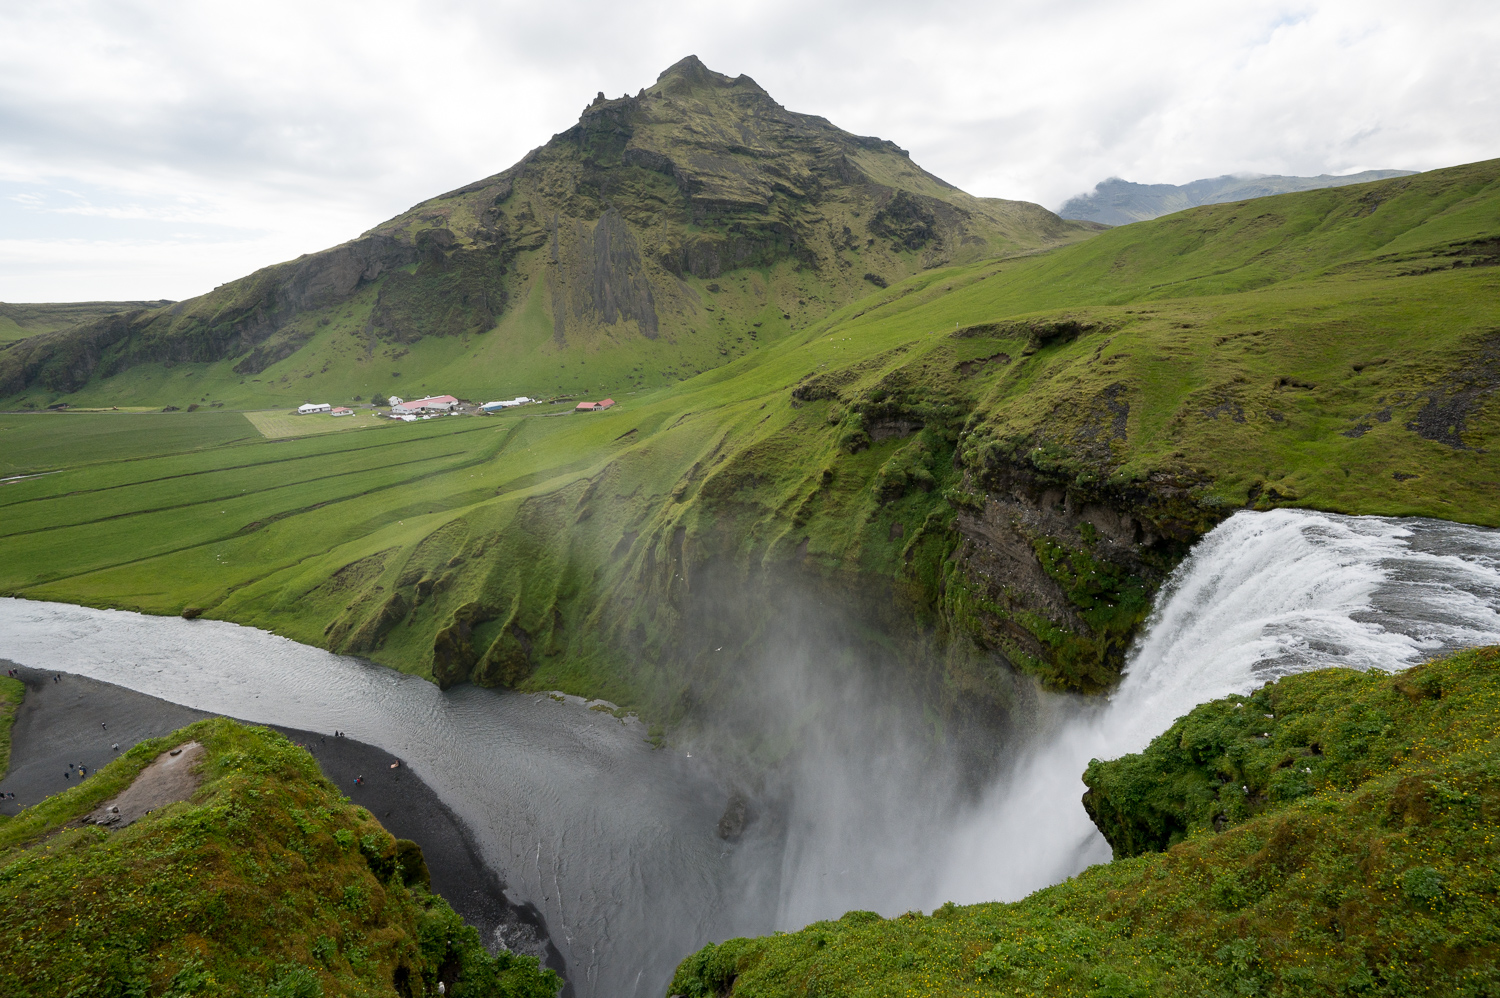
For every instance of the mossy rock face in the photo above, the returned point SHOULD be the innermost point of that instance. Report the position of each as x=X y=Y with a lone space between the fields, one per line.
x=265 y=881
x=1366 y=867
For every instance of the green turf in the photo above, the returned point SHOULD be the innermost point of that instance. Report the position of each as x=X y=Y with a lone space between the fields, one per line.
x=1360 y=859
x=42 y=442
x=20 y=321
x=267 y=881
x=1334 y=349
x=12 y=691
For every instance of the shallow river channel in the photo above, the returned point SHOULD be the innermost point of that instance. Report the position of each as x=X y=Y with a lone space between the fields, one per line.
x=614 y=842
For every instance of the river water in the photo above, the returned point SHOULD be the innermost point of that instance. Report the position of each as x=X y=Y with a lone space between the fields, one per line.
x=614 y=842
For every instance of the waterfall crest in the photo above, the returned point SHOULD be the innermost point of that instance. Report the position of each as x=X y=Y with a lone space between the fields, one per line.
x=1263 y=595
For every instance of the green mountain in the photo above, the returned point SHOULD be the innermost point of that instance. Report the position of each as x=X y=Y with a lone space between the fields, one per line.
x=1120 y=202
x=984 y=470
x=661 y=236
x=1349 y=850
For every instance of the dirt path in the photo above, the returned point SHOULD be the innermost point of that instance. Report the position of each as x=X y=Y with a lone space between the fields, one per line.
x=79 y=720
x=171 y=777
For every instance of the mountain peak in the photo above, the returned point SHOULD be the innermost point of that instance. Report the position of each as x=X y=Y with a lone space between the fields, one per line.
x=684 y=225
x=690 y=74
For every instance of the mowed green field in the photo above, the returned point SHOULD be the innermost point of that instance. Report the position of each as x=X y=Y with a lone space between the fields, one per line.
x=211 y=489
x=1336 y=349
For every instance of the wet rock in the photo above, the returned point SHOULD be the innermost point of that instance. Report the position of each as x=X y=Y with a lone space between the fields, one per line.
x=736 y=816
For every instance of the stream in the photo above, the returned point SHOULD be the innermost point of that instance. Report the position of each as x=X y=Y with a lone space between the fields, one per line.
x=615 y=842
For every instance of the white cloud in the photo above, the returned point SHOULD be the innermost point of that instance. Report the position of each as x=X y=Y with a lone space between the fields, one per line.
x=195 y=136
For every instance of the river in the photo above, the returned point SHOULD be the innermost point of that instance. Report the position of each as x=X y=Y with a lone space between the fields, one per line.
x=614 y=841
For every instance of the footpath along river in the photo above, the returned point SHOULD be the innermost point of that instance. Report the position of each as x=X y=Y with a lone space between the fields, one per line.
x=615 y=842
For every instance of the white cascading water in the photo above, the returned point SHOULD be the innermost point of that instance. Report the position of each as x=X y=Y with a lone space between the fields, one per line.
x=1263 y=595
x=614 y=842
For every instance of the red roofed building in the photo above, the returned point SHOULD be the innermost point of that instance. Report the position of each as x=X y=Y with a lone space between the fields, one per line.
x=435 y=403
x=593 y=406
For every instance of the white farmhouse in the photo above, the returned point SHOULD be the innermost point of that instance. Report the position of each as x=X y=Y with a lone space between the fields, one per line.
x=303 y=410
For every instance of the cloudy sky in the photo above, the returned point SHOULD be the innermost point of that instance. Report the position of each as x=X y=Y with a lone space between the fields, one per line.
x=153 y=148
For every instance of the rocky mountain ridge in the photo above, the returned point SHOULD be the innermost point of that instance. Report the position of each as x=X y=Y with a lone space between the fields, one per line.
x=610 y=233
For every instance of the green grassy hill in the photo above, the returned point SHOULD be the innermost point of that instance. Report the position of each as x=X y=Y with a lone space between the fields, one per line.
x=991 y=465
x=20 y=321
x=267 y=882
x=662 y=236
x=1336 y=834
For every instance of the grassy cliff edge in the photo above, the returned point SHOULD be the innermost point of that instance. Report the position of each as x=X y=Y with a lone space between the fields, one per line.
x=267 y=881
x=1335 y=833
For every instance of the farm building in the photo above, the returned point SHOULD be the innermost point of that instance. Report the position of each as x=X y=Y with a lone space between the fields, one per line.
x=512 y=403
x=303 y=410
x=341 y=411
x=434 y=403
x=594 y=406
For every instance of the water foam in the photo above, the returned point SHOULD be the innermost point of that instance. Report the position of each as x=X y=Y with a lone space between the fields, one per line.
x=1262 y=596
x=615 y=842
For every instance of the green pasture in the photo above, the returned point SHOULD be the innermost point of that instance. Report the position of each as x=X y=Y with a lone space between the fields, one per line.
x=280 y=423
x=12 y=691
x=1334 y=349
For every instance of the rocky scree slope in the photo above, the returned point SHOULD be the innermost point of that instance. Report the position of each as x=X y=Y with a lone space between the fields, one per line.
x=615 y=237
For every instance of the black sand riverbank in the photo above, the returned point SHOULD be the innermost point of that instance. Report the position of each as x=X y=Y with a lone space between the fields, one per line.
x=72 y=719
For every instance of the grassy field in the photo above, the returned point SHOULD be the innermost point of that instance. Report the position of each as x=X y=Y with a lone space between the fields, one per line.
x=41 y=442
x=277 y=424
x=1335 y=349
x=11 y=693
x=267 y=881
x=1361 y=858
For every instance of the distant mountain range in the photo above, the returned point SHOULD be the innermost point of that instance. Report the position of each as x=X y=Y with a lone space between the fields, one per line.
x=1119 y=202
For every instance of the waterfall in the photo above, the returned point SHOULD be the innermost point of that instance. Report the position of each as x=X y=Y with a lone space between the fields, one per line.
x=1263 y=595
x=614 y=841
